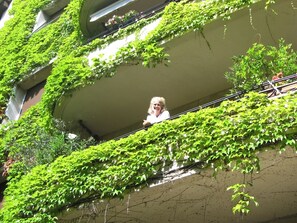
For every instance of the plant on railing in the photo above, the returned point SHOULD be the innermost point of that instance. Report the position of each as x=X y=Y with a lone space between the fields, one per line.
x=261 y=63
x=116 y=20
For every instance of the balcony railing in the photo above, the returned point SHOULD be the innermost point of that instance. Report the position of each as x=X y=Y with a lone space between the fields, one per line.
x=271 y=88
x=142 y=15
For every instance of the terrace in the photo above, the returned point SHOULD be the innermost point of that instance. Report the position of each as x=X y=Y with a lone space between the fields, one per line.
x=191 y=194
x=192 y=78
x=186 y=191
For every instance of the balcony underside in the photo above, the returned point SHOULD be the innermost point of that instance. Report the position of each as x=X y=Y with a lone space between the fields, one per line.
x=202 y=198
x=113 y=106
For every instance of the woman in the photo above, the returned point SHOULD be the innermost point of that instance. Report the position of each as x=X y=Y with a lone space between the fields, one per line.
x=157 y=111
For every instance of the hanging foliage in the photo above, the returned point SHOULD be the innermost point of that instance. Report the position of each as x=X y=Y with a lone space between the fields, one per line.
x=260 y=64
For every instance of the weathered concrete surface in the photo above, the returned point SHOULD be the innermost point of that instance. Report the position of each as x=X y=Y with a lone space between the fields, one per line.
x=201 y=198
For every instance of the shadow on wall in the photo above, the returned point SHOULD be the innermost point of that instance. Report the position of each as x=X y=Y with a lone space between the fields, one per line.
x=2 y=188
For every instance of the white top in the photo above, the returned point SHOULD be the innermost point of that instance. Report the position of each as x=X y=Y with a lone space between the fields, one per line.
x=153 y=119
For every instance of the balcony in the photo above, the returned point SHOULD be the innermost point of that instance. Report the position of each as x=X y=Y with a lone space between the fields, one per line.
x=115 y=106
x=49 y=14
x=193 y=195
x=273 y=89
x=166 y=173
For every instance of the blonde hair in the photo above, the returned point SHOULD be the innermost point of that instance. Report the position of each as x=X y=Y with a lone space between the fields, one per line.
x=159 y=100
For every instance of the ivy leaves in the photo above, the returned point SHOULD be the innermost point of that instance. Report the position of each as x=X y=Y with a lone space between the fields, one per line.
x=260 y=63
x=150 y=54
x=228 y=134
x=243 y=199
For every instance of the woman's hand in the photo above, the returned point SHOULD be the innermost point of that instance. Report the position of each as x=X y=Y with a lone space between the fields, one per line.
x=146 y=123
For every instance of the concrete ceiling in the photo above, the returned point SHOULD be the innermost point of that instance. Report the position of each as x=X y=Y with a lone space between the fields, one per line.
x=113 y=106
x=201 y=198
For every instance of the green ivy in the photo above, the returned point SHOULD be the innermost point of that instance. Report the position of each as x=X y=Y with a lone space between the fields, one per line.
x=244 y=199
x=21 y=52
x=261 y=63
x=229 y=135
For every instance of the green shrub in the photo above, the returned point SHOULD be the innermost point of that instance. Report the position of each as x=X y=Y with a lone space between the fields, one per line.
x=46 y=145
x=261 y=63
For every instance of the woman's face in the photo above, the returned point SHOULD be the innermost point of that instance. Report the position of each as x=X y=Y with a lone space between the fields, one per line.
x=156 y=106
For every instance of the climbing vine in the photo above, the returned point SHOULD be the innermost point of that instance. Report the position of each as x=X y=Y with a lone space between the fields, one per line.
x=71 y=69
x=229 y=135
x=243 y=198
x=104 y=170
x=261 y=63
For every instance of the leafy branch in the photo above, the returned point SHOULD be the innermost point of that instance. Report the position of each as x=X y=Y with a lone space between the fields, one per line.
x=243 y=199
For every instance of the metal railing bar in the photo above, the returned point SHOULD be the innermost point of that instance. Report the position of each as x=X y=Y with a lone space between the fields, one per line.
x=145 y=14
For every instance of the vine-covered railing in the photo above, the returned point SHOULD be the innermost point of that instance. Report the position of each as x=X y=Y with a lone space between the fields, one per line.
x=141 y=15
x=108 y=169
x=230 y=135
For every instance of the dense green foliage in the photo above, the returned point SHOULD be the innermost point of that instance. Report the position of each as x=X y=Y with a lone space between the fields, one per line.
x=261 y=63
x=230 y=134
x=21 y=52
x=109 y=169
x=45 y=147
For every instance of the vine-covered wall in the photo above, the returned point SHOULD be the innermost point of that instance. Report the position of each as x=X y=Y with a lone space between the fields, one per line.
x=101 y=171
x=229 y=135
x=22 y=51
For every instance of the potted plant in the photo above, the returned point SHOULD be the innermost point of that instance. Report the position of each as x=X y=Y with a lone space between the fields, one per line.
x=113 y=22
x=117 y=20
x=260 y=63
x=129 y=15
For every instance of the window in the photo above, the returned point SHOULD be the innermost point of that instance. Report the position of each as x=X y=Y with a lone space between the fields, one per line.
x=4 y=4
x=4 y=16
x=33 y=96
x=23 y=99
x=27 y=93
x=15 y=104
x=50 y=14
x=111 y=8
